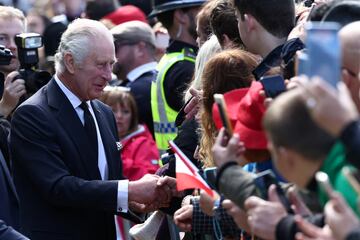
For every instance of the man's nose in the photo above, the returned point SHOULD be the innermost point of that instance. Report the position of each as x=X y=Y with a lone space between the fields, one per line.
x=107 y=72
x=11 y=44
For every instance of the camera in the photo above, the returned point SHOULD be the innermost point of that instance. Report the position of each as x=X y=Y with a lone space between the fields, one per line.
x=5 y=55
x=308 y=3
x=28 y=45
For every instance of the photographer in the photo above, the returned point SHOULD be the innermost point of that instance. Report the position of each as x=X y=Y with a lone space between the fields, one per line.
x=12 y=22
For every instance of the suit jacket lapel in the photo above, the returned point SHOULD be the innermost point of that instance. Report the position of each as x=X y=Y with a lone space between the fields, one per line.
x=69 y=119
x=7 y=175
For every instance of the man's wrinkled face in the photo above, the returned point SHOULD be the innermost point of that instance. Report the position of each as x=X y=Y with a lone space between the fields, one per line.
x=9 y=28
x=92 y=75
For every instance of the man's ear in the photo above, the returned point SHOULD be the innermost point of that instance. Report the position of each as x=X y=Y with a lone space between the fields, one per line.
x=69 y=62
x=226 y=42
x=139 y=49
x=180 y=16
x=249 y=22
x=353 y=85
x=287 y=156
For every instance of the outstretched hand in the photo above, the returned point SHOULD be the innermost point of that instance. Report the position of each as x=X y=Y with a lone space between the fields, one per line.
x=151 y=192
x=225 y=150
x=183 y=217
x=237 y=214
x=311 y=232
x=340 y=217
x=260 y=211
x=193 y=106
x=319 y=97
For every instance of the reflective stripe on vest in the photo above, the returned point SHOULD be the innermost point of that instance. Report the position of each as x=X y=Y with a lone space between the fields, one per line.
x=163 y=115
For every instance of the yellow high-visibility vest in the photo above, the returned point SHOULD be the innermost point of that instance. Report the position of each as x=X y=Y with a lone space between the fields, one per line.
x=163 y=115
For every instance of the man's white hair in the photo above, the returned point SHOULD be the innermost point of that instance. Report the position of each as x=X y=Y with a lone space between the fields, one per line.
x=78 y=40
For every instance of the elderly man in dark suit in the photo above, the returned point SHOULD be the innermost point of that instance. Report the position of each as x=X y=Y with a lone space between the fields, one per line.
x=65 y=147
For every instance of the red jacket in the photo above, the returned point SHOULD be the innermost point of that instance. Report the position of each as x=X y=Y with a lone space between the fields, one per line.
x=139 y=154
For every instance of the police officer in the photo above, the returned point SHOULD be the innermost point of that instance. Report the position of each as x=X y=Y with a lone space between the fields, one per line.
x=12 y=22
x=176 y=67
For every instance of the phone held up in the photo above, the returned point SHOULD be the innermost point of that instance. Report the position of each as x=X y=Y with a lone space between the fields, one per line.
x=264 y=180
x=210 y=176
x=220 y=102
x=273 y=85
x=323 y=51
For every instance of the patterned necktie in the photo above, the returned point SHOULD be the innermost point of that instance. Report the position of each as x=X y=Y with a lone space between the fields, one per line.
x=90 y=128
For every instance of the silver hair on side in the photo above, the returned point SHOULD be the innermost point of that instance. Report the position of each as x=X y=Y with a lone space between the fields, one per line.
x=78 y=40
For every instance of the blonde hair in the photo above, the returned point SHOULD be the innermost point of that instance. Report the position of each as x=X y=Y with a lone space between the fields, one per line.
x=7 y=12
x=207 y=50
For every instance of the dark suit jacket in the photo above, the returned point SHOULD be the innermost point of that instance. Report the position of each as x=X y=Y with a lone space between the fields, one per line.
x=8 y=233
x=60 y=188
x=9 y=207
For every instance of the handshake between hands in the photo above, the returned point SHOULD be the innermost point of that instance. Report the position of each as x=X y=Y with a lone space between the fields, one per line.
x=151 y=192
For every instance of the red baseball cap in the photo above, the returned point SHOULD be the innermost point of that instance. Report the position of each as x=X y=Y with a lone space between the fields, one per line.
x=246 y=110
x=125 y=14
x=232 y=101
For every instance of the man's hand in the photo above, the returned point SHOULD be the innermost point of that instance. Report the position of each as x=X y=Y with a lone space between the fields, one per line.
x=13 y=90
x=237 y=214
x=225 y=151
x=260 y=212
x=143 y=190
x=207 y=202
x=193 y=106
x=169 y=185
x=319 y=97
x=152 y=192
x=311 y=232
x=297 y=204
x=340 y=217
x=183 y=218
x=147 y=190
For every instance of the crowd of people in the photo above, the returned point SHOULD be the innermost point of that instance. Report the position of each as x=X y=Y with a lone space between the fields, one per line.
x=86 y=155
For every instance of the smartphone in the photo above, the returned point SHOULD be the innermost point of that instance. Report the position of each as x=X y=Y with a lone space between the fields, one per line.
x=220 y=102
x=324 y=183
x=352 y=175
x=324 y=51
x=264 y=180
x=301 y=59
x=210 y=176
x=273 y=85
